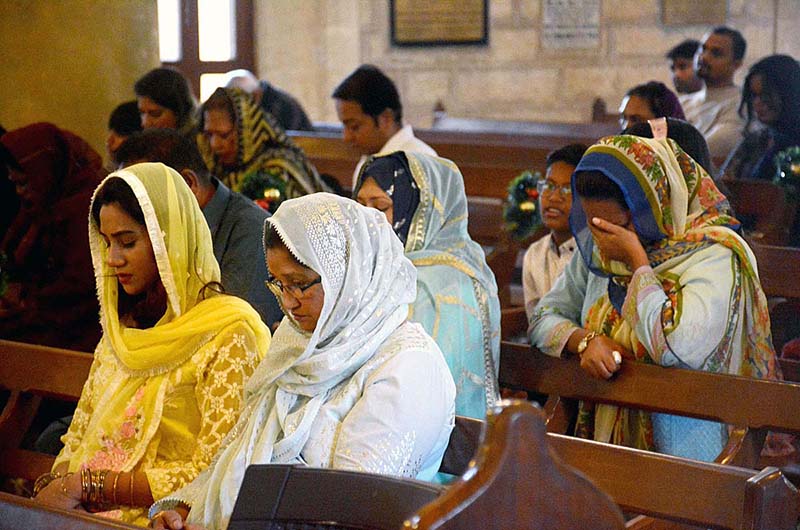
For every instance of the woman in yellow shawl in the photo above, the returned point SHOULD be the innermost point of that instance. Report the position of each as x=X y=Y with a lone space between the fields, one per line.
x=661 y=278
x=167 y=380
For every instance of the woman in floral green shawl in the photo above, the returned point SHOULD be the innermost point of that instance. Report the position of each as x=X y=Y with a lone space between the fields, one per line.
x=238 y=139
x=661 y=278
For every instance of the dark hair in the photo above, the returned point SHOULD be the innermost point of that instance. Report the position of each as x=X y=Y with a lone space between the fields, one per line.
x=116 y=191
x=166 y=146
x=684 y=50
x=370 y=88
x=661 y=100
x=780 y=78
x=739 y=44
x=685 y=134
x=271 y=237
x=591 y=184
x=570 y=154
x=145 y=308
x=170 y=89
x=125 y=119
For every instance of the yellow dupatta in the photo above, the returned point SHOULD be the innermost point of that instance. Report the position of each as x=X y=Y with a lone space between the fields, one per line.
x=129 y=409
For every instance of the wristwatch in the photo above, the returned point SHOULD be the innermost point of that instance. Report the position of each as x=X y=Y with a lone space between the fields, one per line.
x=584 y=343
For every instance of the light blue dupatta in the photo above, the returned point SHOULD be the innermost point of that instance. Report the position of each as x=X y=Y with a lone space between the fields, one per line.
x=457 y=301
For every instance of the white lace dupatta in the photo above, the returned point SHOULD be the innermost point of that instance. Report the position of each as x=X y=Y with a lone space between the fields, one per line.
x=368 y=284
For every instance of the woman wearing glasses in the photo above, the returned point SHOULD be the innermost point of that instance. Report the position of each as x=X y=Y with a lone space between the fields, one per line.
x=167 y=380
x=547 y=257
x=423 y=198
x=348 y=382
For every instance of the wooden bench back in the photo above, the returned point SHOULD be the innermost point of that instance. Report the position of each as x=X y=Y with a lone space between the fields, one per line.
x=765 y=206
x=488 y=160
x=31 y=372
x=515 y=482
x=683 y=490
x=18 y=512
x=778 y=269
x=653 y=388
x=512 y=475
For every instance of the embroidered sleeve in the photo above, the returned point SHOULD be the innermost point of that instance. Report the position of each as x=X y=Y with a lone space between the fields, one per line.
x=401 y=423
x=558 y=313
x=219 y=392
x=84 y=410
x=687 y=317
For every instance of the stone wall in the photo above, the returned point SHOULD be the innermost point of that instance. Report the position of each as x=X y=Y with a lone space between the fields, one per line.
x=308 y=46
x=71 y=62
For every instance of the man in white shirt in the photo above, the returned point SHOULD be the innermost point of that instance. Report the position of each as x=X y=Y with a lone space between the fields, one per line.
x=369 y=108
x=714 y=110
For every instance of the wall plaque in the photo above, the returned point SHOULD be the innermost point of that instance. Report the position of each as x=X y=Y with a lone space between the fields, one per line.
x=439 y=22
x=692 y=12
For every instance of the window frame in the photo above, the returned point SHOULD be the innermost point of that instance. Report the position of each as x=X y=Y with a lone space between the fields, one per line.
x=190 y=64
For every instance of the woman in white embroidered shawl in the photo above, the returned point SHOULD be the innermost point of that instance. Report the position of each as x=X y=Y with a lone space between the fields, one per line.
x=347 y=382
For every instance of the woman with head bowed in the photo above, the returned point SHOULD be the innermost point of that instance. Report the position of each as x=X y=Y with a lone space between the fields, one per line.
x=50 y=298
x=165 y=101
x=423 y=197
x=167 y=380
x=348 y=382
x=662 y=278
x=237 y=138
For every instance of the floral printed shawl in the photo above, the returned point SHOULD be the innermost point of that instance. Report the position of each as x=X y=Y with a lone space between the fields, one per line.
x=677 y=209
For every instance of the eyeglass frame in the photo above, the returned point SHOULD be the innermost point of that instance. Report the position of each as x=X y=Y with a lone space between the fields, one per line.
x=549 y=186
x=276 y=286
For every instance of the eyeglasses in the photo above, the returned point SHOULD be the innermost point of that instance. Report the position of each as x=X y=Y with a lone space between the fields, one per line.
x=548 y=186
x=297 y=291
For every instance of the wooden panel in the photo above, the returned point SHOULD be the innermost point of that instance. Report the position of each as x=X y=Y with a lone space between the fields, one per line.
x=686 y=392
x=681 y=489
x=17 y=512
x=488 y=160
x=44 y=370
x=778 y=269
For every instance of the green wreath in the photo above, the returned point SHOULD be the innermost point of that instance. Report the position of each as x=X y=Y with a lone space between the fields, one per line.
x=521 y=211
x=266 y=187
x=787 y=175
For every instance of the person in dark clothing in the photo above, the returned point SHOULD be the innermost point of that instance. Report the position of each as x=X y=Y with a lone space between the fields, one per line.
x=285 y=108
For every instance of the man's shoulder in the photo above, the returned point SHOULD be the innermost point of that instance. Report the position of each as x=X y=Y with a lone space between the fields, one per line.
x=243 y=209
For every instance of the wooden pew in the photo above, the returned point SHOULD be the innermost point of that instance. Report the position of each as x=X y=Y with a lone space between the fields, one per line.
x=778 y=269
x=488 y=160
x=19 y=512
x=765 y=207
x=512 y=484
x=515 y=482
x=653 y=388
x=682 y=490
x=31 y=372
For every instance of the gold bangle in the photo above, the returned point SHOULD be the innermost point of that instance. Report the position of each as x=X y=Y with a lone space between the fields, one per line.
x=131 y=504
x=114 y=488
x=86 y=486
x=101 y=486
x=42 y=481
x=64 y=483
